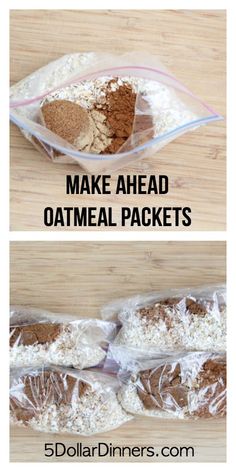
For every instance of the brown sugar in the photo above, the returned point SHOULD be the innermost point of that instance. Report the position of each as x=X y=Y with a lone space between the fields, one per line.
x=159 y=311
x=86 y=130
x=68 y=120
x=160 y=382
x=41 y=333
x=154 y=314
x=195 y=307
x=163 y=388
x=43 y=389
x=212 y=378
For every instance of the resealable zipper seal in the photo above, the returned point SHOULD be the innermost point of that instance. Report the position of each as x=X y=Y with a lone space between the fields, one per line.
x=138 y=145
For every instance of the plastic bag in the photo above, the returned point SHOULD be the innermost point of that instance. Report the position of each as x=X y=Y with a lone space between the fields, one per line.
x=40 y=337
x=167 y=107
x=174 y=320
x=59 y=400
x=184 y=385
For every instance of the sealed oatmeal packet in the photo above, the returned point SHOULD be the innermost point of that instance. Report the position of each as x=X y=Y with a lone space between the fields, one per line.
x=188 y=385
x=61 y=400
x=174 y=320
x=104 y=111
x=40 y=337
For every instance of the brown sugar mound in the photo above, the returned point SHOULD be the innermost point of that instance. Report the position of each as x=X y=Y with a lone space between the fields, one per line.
x=43 y=389
x=162 y=388
x=66 y=119
x=154 y=314
x=211 y=371
x=41 y=333
x=159 y=311
x=195 y=307
x=212 y=378
x=158 y=383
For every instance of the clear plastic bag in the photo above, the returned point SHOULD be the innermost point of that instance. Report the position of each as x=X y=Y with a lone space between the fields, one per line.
x=167 y=106
x=40 y=337
x=59 y=400
x=184 y=385
x=175 y=320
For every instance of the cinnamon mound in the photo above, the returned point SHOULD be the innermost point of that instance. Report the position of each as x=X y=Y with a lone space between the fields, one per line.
x=41 y=333
x=119 y=109
x=43 y=389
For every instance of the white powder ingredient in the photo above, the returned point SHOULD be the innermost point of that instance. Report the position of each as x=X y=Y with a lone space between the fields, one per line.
x=99 y=136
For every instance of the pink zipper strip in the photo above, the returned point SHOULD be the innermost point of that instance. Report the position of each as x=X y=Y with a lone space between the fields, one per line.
x=29 y=101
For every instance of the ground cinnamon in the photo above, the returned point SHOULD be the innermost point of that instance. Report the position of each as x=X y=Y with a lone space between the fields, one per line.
x=119 y=109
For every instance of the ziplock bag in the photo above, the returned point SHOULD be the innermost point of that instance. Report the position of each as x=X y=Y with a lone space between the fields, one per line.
x=183 y=385
x=39 y=337
x=59 y=400
x=174 y=320
x=167 y=107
